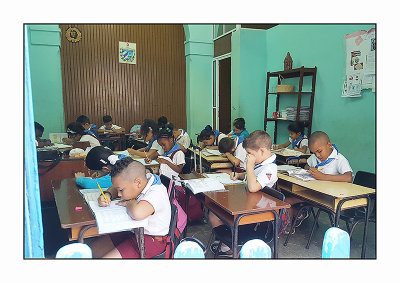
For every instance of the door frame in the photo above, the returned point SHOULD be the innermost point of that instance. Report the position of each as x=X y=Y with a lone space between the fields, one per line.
x=215 y=88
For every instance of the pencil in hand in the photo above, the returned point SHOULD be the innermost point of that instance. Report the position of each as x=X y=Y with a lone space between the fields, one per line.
x=102 y=192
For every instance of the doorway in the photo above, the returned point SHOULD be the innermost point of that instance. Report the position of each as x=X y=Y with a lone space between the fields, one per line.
x=222 y=93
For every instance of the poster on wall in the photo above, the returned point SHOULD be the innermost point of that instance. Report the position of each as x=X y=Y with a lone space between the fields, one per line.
x=360 y=62
x=127 y=52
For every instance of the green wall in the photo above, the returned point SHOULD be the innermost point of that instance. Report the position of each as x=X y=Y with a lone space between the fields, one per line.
x=248 y=77
x=349 y=122
x=45 y=64
x=199 y=52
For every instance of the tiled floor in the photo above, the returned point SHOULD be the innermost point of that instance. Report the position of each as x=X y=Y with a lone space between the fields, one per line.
x=202 y=231
x=295 y=249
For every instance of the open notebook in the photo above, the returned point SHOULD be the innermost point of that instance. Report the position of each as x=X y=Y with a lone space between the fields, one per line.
x=114 y=218
x=211 y=152
x=295 y=172
x=110 y=219
x=224 y=178
x=204 y=185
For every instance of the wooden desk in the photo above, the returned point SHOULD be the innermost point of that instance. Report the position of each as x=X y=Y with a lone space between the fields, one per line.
x=237 y=207
x=119 y=137
x=282 y=157
x=332 y=197
x=212 y=162
x=66 y=168
x=80 y=224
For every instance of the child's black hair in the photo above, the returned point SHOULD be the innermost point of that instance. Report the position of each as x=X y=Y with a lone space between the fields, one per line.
x=97 y=157
x=239 y=123
x=226 y=144
x=166 y=131
x=148 y=125
x=206 y=133
x=120 y=166
x=83 y=119
x=75 y=128
x=162 y=121
x=107 y=119
x=298 y=126
x=39 y=127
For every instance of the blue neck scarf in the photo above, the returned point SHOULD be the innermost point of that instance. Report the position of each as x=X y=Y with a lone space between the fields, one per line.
x=150 y=144
x=183 y=132
x=174 y=148
x=329 y=160
x=157 y=180
x=240 y=140
x=259 y=165
x=294 y=143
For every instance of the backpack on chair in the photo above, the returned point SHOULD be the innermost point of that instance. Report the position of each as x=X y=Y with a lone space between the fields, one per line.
x=182 y=217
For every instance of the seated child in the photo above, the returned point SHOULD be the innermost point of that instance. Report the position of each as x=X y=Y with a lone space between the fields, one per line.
x=173 y=159
x=261 y=170
x=109 y=127
x=297 y=140
x=162 y=121
x=210 y=138
x=89 y=128
x=100 y=159
x=39 y=129
x=326 y=163
x=148 y=131
x=234 y=151
x=182 y=138
x=239 y=129
x=76 y=132
x=144 y=196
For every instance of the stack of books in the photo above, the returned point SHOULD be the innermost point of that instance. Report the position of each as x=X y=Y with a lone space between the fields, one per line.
x=291 y=113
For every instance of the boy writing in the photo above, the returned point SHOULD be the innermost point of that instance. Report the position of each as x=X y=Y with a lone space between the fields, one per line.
x=144 y=196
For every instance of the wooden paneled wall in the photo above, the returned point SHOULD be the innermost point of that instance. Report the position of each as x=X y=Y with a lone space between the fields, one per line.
x=96 y=84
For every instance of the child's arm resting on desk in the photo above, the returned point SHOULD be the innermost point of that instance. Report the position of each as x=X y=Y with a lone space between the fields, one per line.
x=285 y=145
x=345 y=177
x=89 y=183
x=138 y=210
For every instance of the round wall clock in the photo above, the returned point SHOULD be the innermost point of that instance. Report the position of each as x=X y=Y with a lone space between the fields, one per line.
x=73 y=34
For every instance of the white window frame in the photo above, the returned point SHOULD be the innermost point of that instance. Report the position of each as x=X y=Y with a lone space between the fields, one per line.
x=215 y=88
x=223 y=31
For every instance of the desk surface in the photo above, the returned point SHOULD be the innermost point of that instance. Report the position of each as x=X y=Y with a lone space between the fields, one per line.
x=67 y=197
x=211 y=158
x=335 y=189
x=286 y=153
x=237 y=200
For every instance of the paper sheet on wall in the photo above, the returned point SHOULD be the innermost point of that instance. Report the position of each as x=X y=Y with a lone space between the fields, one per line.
x=360 y=62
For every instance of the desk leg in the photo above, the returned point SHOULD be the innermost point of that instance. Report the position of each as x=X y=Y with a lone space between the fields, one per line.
x=83 y=231
x=337 y=218
x=139 y=233
x=194 y=159
x=276 y=216
x=235 y=236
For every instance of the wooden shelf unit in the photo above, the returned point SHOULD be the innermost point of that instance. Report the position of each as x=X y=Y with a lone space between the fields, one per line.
x=293 y=73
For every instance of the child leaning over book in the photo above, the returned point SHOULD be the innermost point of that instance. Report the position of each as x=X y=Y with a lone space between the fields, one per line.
x=326 y=163
x=261 y=171
x=144 y=196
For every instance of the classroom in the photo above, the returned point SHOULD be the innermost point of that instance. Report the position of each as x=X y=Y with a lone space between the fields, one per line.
x=113 y=85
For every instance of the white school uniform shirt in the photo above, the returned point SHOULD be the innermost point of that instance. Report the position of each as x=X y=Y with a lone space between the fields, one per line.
x=220 y=137
x=93 y=141
x=339 y=165
x=240 y=153
x=177 y=159
x=183 y=139
x=157 y=147
x=157 y=196
x=304 y=142
x=113 y=127
x=266 y=172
